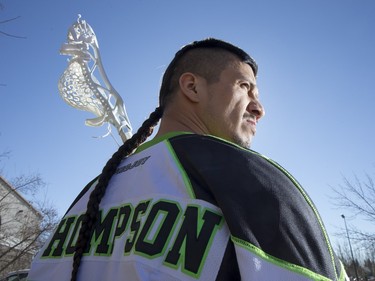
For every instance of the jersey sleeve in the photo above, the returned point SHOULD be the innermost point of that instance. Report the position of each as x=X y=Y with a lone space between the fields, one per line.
x=275 y=228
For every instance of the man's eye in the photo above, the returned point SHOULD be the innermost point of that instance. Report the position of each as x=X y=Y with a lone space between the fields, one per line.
x=245 y=86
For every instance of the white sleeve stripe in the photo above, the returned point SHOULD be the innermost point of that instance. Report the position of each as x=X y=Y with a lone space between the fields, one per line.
x=255 y=263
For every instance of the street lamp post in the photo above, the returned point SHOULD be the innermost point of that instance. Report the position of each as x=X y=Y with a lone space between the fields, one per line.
x=351 y=250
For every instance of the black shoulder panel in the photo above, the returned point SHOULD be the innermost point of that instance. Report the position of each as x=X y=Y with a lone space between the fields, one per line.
x=260 y=202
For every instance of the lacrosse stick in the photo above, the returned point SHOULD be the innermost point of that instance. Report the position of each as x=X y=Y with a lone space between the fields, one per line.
x=81 y=89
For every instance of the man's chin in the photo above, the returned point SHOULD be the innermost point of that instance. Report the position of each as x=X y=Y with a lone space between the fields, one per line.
x=244 y=142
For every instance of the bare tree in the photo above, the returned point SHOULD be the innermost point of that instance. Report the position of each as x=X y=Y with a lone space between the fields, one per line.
x=24 y=226
x=363 y=266
x=369 y=262
x=357 y=197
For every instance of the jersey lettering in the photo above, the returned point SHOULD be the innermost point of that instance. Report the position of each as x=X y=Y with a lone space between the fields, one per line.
x=181 y=236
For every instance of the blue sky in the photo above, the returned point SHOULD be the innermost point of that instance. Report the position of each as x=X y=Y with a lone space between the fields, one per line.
x=316 y=68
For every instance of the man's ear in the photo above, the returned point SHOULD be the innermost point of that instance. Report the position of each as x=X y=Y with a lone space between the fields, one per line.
x=188 y=86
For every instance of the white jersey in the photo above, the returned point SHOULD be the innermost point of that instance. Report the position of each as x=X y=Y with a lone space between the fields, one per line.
x=194 y=208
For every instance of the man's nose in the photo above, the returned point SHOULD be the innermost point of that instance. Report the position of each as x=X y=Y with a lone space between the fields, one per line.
x=257 y=109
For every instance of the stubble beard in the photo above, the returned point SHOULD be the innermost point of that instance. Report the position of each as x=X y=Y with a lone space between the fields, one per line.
x=245 y=143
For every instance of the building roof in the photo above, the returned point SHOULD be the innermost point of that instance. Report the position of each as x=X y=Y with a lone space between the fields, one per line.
x=12 y=190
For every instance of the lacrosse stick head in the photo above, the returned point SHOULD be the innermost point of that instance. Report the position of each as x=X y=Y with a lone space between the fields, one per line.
x=84 y=84
x=76 y=92
x=80 y=38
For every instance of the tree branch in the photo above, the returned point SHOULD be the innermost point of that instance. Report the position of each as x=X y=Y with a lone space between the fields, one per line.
x=8 y=34
x=8 y=20
x=11 y=35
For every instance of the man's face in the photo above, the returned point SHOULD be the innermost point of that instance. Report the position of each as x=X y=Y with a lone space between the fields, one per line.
x=231 y=109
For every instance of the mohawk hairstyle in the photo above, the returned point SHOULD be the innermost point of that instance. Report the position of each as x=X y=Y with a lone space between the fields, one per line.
x=216 y=43
x=206 y=58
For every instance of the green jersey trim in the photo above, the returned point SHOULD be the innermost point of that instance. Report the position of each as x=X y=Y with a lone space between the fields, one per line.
x=159 y=139
x=308 y=200
x=278 y=262
x=343 y=276
x=165 y=138
x=185 y=177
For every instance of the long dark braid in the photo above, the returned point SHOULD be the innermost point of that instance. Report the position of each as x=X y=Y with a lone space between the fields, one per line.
x=92 y=211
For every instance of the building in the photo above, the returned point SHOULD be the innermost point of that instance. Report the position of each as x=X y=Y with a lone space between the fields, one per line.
x=19 y=229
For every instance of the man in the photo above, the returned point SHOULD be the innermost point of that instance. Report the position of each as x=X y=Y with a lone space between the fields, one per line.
x=194 y=203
